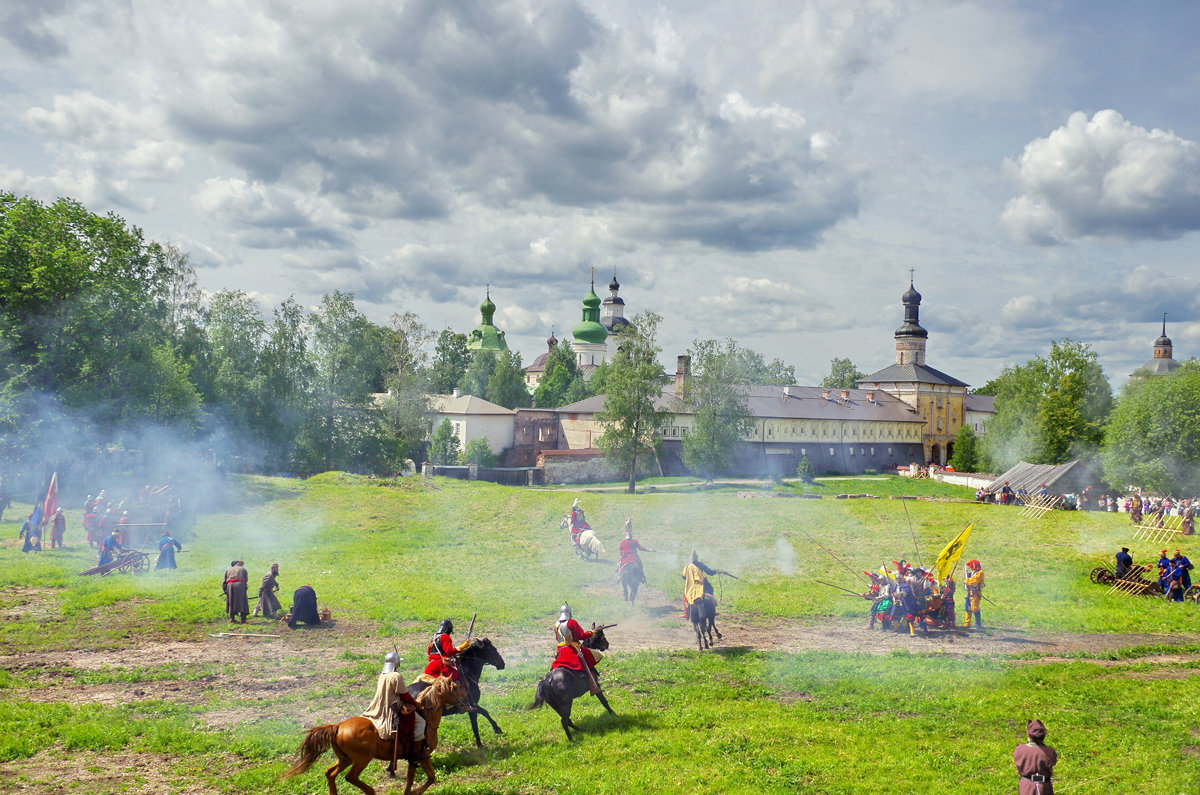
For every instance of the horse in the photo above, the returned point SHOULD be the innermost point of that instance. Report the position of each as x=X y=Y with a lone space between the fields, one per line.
x=631 y=579
x=562 y=686
x=703 y=615
x=355 y=742
x=470 y=663
x=589 y=545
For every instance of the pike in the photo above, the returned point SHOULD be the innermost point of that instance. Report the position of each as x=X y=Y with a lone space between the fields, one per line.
x=840 y=588
x=471 y=628
x=830 y=554
x=913 y=534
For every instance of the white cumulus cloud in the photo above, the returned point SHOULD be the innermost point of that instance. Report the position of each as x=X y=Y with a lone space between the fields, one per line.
x=1105 y=177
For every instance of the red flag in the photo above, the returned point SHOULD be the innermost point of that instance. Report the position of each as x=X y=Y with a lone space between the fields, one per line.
x=51 y=504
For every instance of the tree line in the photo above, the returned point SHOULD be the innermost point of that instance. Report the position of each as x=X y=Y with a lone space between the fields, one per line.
x=104 y=334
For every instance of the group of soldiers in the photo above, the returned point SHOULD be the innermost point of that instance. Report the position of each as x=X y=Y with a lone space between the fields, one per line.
x=1174 y=571
x=32 y=534
x=910 y=596
x=1155 y=510
x=235 y=586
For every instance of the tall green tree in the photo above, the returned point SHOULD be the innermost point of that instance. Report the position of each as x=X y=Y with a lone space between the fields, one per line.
x=288 y=375
x=633 y=391
x=406 y=406
x=966 y=456
x=236 y=336
x=506 y=385
x=842 y=374
x=346 y=430
x=1050 y=409
x=556 y=381
x=450 y=361
x=479 y=452
x=444 y=447
x=1153 y=440
x=715 y=395
x=475 y=380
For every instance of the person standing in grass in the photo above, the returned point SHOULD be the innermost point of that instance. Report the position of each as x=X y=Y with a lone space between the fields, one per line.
x=58 y=529
x=1124 y=562
x=974 y=594
x=268 y=602
x=166 y=551
x=1185 y=566
x=1035 y=762
x=234 y=585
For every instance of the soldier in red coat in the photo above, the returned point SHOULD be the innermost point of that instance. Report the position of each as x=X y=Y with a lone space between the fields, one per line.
x=629 y=552
x=571 y=652
x=442 y=651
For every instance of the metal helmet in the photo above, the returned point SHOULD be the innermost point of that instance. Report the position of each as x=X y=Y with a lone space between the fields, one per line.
x=446 y=627
x=564 y=612
x=389 y=662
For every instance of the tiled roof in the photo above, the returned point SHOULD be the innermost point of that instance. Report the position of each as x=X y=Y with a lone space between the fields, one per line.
x=909 y=374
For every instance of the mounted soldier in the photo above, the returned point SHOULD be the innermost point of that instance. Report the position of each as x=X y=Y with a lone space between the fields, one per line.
x=629 y=552
x=441 y=651
x=394 y=712
x=571 y=652
x=576 y=521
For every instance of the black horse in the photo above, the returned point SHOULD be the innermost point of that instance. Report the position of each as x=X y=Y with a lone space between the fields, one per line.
x=562 y=686
x=470 y=662
x=631 y=579
x=703 y=615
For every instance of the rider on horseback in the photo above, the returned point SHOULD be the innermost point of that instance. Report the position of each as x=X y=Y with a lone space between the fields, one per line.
x=629 y=552
x=441 y=651
x=571 y=652
x=695 y=581
x=576 y=522
x=394 y=712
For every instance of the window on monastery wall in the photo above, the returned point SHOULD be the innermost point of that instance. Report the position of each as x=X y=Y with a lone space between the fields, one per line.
x=872 y=451
x=940 y=402
x=939 y=423
x=889 y=451
x=851 y=451
x=683 y=432
x=831 y=451
x=803 y=451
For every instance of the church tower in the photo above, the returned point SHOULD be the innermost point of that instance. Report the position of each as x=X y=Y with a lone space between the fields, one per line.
x=612 y=315
x=590 y=342
x=1163 y=349
x=486 y=337
x=910 y=337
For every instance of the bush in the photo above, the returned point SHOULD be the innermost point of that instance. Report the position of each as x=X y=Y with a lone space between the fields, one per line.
x=805 y=471
x=444 y=448
x=478 y=452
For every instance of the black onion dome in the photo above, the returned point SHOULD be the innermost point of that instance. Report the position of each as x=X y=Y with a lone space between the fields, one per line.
x=911 y=296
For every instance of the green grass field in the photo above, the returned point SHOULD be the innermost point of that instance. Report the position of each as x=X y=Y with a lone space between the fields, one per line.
x=119 y=676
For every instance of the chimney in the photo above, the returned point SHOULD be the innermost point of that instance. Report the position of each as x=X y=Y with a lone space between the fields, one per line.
x=787 y=391
x=870 y=397
x=683 y=368
x=456 y=393
x=845 y=395
x=824 y=394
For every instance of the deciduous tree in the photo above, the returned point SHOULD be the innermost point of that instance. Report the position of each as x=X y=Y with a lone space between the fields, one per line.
x=632 y=397
x=1153 y=440
x=715 y=395
x=842 y=374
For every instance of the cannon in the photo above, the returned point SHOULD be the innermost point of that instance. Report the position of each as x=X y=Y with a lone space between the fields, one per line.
x=130 y=561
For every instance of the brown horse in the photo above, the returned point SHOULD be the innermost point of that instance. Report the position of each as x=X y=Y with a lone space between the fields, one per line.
x=355 y=742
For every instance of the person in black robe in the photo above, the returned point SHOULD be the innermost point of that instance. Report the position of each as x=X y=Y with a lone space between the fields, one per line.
x=304 y=607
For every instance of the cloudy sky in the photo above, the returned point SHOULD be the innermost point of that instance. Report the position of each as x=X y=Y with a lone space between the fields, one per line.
x=761 y=170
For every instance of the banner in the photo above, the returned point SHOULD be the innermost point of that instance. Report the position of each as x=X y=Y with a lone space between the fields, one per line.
x=950 y=555
x=51 y=504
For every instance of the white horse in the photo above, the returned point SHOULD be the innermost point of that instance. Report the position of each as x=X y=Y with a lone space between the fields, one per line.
x=589 y=545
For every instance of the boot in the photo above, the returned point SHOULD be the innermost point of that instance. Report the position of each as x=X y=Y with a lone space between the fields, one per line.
x=978 y=621
x=910 y=629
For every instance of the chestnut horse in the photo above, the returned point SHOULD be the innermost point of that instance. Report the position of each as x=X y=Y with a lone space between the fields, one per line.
x=355 y=742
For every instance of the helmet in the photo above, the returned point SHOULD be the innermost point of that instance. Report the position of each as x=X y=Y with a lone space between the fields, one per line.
x=564 y=612
x=446 y=627
x=389 y=662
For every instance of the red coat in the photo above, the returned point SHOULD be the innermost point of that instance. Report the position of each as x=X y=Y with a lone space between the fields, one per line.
x=441 y=653
x=629 y=552
x=567 y=658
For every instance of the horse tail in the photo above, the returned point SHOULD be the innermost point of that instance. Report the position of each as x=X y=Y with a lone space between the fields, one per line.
x=315 y=743
x=539 y=698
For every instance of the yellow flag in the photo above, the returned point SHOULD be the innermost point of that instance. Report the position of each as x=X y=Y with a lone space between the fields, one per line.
x=950 y=555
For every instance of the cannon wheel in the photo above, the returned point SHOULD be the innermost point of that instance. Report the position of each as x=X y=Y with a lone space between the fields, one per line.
x=1192 y=594
x=1106 y=577
x=1095 y=575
